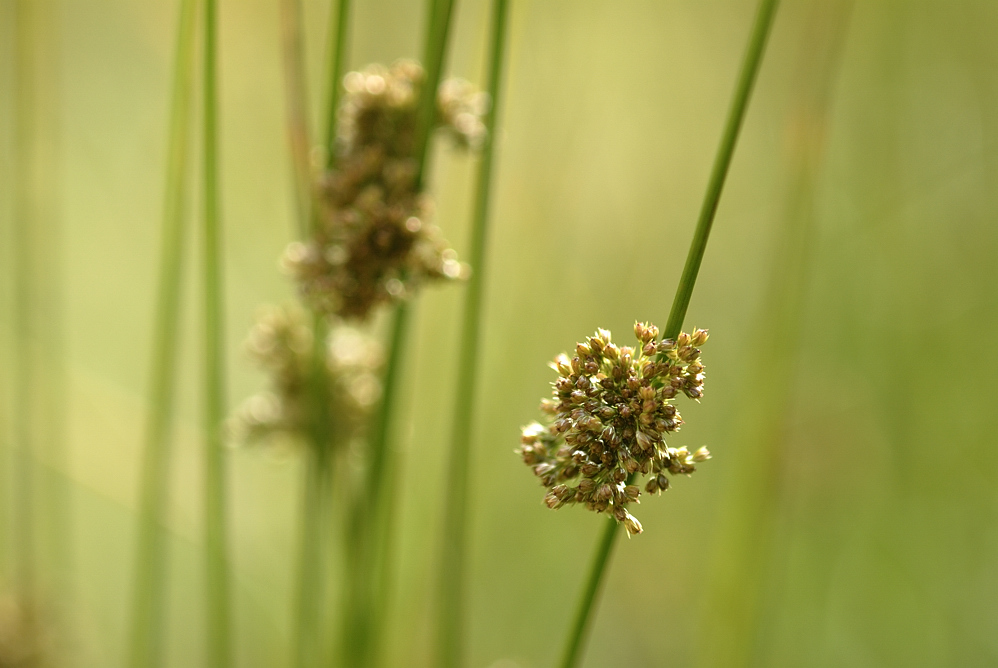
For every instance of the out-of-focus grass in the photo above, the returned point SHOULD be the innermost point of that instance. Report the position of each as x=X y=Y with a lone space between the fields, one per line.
x=885 y=545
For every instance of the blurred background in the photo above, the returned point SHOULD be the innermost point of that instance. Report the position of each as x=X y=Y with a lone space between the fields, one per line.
x=850 y=513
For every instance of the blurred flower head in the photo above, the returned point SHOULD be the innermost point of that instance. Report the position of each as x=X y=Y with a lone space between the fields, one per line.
x=375 y=242
x=282 y=344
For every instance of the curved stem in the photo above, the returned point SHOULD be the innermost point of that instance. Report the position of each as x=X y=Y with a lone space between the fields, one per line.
x=736 y=114
x=450 y=606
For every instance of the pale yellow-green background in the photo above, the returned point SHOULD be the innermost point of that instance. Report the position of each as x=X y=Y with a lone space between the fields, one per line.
x=859 y=455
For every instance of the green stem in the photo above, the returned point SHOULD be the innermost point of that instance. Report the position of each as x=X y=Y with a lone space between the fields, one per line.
x=434 y=55
x=450 y=606
x=318 y=476
x=307 y=645
x=583 y=618
x=339 y=21
x=369 y=563
x=743 y=89
x=147 y=604
x=218 y=623
x=296 y=100
x=373 y=518
x=718 y=175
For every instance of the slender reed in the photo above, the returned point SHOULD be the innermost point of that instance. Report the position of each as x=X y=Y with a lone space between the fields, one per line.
x=339 y=22
x=147 y=602
x=296 y=100
x=743 y=89
x=367 y=522
x=218 y=622
x=306 y=641
x=308 y=595
x=434 y=55
x=438 y=28
x=319 y=462
x=450 y=604
x=376 y=521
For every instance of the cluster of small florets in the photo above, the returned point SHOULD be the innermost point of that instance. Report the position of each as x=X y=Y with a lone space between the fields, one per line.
x=375 y=243
x=610 y=412
x=281 y=342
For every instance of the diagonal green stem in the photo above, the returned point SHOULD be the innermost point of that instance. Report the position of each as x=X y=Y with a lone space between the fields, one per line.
x=372 y=521
x=339 y=23
x=450 y=606
x=147 y=604
x=306 y=647
x=736 y=114
x=438 y=25
x=296 y=100
x=218 y=608
x=590 y=594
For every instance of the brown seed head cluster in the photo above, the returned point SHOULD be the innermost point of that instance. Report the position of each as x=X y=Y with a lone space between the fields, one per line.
x=610 y=412
x=281 y=342
x=375 y=243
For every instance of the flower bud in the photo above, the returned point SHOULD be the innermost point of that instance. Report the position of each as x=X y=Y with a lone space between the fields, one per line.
x=552 y=501
x=632 y=525
x=644 y=442
x=562 y=365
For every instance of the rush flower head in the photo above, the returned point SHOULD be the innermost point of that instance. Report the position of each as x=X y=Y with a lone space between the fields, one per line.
x=375 y=242
x=607 y=420
x=281 y=343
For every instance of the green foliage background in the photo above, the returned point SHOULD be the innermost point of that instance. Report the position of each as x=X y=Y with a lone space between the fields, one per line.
x=850 y=288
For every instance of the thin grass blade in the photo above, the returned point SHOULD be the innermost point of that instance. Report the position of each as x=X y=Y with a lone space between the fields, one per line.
x=450 y=603
x=579 y=630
